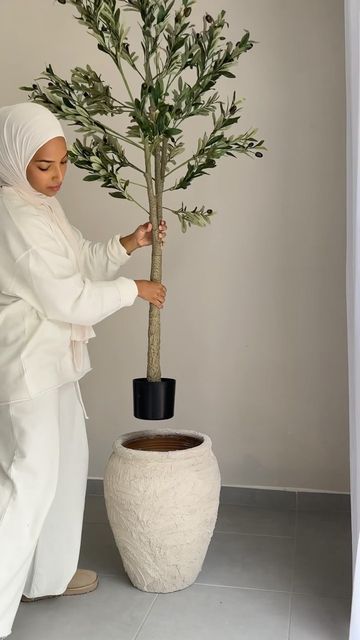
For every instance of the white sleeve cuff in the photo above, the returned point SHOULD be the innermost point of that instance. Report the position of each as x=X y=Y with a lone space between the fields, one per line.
x=128 y=291
x=117 y=251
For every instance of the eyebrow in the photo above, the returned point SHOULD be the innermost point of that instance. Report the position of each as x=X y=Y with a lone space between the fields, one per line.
x=65 y=156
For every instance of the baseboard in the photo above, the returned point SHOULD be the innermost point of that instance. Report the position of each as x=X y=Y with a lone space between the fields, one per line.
x=263 y=498
x=289 y=499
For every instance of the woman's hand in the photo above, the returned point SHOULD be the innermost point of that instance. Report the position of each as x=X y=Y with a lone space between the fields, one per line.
x=142 y=236
x=153 y=292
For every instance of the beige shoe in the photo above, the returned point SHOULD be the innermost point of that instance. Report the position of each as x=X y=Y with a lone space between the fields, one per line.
x=84 y=581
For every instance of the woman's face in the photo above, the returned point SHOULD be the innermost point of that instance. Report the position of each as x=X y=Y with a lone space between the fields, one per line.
x=46 y=169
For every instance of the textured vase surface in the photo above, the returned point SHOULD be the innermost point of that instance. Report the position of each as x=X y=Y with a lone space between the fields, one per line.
x=162 y=507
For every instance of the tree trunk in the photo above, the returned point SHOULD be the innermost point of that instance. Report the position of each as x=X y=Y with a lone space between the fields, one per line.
x=155 y=205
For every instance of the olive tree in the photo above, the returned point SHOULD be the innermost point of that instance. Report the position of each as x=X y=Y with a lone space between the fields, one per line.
x=177 y=71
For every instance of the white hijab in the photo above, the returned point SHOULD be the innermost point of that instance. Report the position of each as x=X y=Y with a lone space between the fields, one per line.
x=24 y=128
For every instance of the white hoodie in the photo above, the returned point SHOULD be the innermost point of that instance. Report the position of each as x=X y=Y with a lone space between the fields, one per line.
x=54 y=285
x=42 y=293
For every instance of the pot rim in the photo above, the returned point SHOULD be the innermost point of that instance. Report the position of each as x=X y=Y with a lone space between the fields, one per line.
x=145 y=380
x=120 y=449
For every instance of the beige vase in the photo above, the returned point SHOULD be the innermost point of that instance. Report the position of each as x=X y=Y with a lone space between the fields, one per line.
x=162 y=495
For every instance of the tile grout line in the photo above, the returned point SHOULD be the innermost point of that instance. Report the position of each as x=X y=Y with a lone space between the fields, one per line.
x=294 y=566
x=145 y=618
x=229 y=586
x=324 y=596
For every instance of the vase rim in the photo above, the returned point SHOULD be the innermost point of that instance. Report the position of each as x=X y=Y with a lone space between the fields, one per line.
x=120 y=449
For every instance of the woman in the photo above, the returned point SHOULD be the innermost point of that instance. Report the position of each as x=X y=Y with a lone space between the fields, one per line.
x=54 y=285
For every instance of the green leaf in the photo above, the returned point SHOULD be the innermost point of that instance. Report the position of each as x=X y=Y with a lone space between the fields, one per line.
x=216 y=139
x=117 y=194
x=231 y=121
x=91 y=178
x=244 y=40
x=67 y=103
x=173 y=132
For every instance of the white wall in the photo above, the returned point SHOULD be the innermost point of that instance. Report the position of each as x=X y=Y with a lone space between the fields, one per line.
x=254 y=328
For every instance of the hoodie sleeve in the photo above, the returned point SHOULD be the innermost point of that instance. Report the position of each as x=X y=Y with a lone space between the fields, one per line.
x=99 y=260
x=47 y=279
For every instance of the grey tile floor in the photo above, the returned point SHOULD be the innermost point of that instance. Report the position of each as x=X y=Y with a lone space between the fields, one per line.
x=268 y=575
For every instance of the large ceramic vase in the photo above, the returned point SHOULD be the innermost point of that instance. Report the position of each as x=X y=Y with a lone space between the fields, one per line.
x=162 y=491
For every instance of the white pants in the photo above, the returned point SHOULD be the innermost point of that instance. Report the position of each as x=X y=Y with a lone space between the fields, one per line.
x=43 y=475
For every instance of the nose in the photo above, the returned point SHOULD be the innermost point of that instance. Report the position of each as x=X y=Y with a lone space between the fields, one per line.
x=57 y=174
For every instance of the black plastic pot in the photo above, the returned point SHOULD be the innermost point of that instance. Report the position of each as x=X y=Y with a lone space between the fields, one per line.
x=154 y=400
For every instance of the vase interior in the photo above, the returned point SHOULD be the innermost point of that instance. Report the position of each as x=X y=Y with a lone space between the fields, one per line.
x=160 y=442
